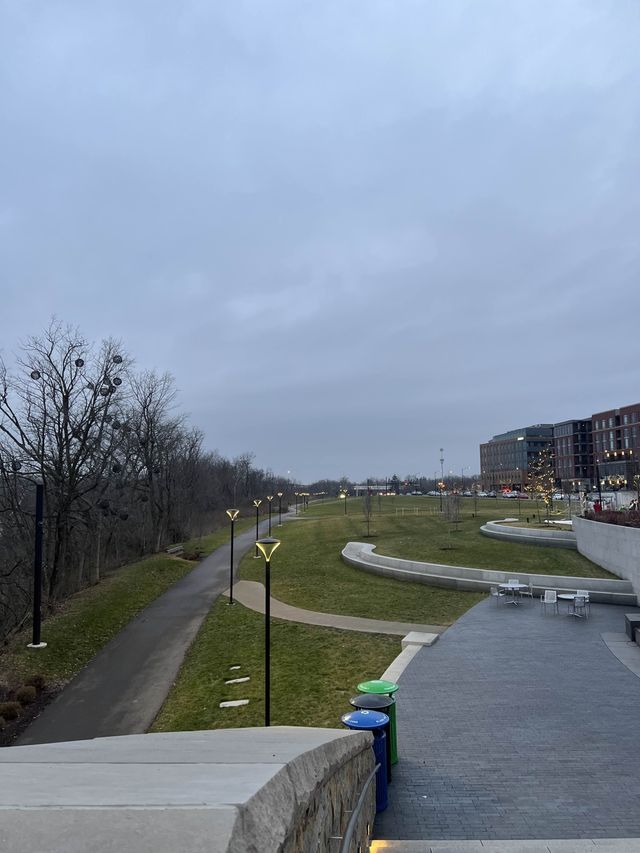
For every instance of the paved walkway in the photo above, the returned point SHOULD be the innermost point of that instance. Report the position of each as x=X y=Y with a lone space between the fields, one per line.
x=251 y=595
x=517 y=725
x=121 y=691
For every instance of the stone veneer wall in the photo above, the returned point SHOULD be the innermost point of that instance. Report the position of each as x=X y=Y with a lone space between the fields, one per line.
x=612 y=546
x=325 y=810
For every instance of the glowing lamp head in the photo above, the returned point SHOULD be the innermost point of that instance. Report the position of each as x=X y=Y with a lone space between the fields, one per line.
x=233 y=514
x=279 y=494
x=257 y=503
x=267 y=546
x=269 y=498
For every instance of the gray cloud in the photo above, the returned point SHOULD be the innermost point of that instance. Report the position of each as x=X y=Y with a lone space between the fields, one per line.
x=354 y=233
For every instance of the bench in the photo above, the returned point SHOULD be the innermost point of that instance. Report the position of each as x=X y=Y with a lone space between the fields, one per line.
x=631 y=624
x=175 y=551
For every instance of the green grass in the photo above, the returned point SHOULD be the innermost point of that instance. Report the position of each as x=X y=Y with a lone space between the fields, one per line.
x=314 y=672
x=209 y=542
x=307 y=571
x=88 y=620
x=431 y=538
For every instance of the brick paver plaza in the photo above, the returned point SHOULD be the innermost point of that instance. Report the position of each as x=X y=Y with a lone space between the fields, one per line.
x=518 y=725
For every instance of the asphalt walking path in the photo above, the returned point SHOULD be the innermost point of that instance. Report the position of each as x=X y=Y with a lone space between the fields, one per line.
x=519 y=725
x=121 y=691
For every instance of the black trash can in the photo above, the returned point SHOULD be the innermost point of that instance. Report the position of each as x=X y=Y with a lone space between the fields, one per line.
x=376 y=702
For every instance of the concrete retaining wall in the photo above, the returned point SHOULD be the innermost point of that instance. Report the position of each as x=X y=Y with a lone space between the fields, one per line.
x=611 y=546
x=550 y=538
x=360 y=555
x=260 y=790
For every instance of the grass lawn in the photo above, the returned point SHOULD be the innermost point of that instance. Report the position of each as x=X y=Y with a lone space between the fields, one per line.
x=314 y=672
x=397 y=531
x=88 y=620
x=307 y=570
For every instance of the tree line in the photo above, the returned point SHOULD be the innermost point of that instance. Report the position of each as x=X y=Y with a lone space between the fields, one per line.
x=124 y=473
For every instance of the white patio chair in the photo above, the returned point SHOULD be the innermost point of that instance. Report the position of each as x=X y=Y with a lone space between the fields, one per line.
x=494 y=592
x=585 y=593
x=550 y=598
x=579 y=606
x=514 y=592
x=528 y=592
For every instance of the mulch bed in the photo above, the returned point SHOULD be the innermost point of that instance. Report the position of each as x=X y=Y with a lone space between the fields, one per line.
x=14 y=728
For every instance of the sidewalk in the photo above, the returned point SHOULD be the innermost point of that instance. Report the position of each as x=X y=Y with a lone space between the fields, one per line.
x=121 y=691
x=251 y=595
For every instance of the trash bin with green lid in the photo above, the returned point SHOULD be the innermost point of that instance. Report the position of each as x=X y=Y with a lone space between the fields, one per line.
x=377 y=702
x=388 y=688
x=374 y=722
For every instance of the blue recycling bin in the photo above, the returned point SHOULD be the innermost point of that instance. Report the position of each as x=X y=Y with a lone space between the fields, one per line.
x=376 y=722
x=377 y=702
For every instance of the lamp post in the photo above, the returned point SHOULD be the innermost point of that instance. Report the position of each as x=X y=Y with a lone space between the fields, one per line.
x=441 y=474
x=36 y=642
x=256 y=504
x=343 y=495
x=269 y=498
x=296 y=497
x=279 y=508
x=233 y=514
x=267 y=546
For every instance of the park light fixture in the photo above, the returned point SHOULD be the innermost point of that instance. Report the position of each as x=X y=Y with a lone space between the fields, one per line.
x=270 y=499
x=233 y=514
x=343 y=496
x=267 y=546
x=280 y=494
x=256 y=504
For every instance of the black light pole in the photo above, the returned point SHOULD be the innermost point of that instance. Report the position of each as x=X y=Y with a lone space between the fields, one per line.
x=441 y=475
x=233 y=514
x=267 y=546
x=280 y=508
x=269 y=498
x=296 y=497
x=256 y=504
x=36 y=642
x=344 y=495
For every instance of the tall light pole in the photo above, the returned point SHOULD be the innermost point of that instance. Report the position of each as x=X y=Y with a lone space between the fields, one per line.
x=269 y=498
x=267 y=546
x=343 y=495
x=296 y=497
x=233 y=514
x=441 y=475
x=256 y=504
x=280 y=508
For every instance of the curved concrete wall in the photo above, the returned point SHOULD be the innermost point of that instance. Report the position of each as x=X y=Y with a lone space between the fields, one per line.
x=612 y=546
x=265 y=790
x=550 y=538
x=361 y=556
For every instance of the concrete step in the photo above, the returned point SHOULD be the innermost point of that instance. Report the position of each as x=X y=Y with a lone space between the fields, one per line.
x=582 y=845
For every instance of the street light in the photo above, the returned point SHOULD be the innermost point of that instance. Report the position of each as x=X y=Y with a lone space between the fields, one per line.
x=296 y=497
x=280 y=508
x=269 y=498
x=256 y=504
x=233 y=514
x=267 y=546
x=441 y=474
x=343 y=495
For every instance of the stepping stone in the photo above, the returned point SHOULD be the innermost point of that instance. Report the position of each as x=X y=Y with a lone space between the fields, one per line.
x=238 y=680
x=234 y=667
x=234 y=703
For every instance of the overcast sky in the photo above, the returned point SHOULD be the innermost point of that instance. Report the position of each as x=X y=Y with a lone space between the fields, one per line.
x=355 y=232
